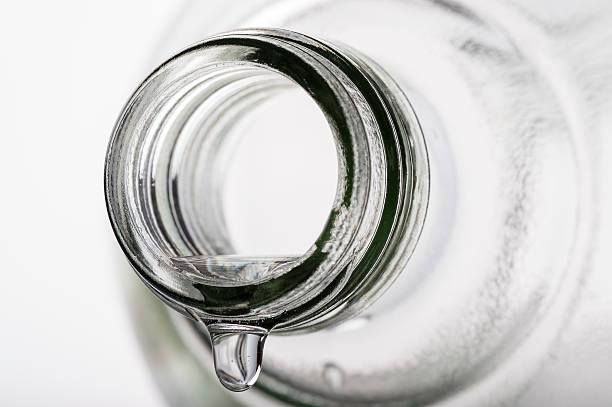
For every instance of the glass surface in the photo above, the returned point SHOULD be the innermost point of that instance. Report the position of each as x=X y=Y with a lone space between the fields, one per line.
x=512 y=100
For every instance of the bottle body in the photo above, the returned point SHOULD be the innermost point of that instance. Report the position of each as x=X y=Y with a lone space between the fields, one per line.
x=508 y=273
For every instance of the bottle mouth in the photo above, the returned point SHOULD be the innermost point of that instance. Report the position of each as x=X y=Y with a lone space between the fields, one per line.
x=173 y=134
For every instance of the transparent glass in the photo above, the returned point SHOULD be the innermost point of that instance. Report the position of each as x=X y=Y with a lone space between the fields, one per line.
x=498 y=296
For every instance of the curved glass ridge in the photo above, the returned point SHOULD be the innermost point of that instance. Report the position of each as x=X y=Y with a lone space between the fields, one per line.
x=174 y=129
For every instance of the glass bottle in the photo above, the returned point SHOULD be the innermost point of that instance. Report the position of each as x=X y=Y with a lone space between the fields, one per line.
x=465 y=224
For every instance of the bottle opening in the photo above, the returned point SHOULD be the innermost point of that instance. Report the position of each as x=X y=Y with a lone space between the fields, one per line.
x=281 y=179
x=233 y=202
x=255 y=175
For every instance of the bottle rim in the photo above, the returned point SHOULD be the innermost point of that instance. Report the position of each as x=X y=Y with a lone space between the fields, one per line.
x=381 y=198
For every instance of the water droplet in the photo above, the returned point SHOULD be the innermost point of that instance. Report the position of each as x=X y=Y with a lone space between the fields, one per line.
x=238 y=354
x=333 y=375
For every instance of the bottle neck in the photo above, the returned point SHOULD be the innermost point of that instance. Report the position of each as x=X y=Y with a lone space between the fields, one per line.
x=178 y=244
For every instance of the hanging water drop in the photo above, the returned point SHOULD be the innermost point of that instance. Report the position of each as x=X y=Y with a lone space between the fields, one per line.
x=238 y=354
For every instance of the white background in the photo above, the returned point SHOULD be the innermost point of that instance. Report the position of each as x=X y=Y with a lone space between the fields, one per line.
x=66 y=69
